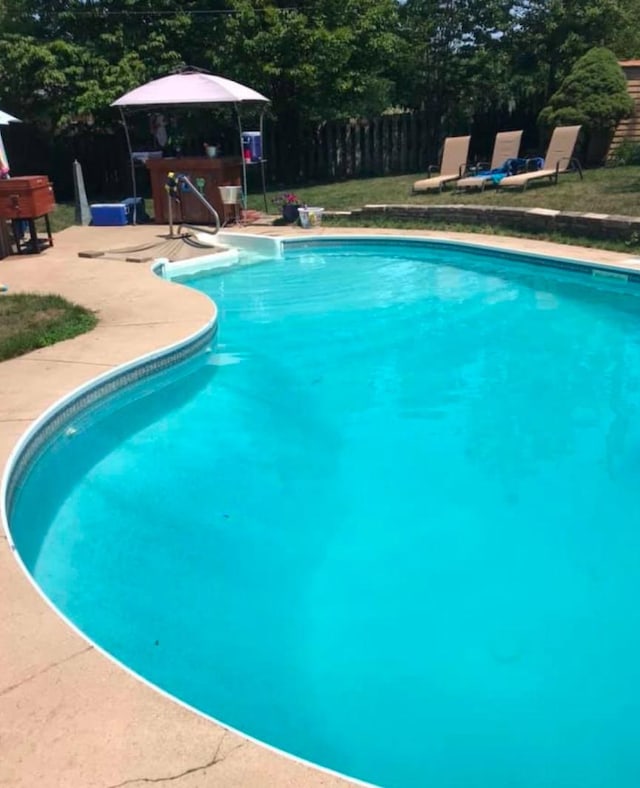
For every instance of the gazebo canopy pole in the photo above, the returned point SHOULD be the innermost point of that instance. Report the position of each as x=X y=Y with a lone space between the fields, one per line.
x=244 y=163
x=132 y=166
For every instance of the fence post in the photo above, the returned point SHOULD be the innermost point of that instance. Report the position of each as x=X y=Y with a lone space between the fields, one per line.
x=403 y=141
x=386 y=144
x=331 y=149
x=357 y=151
x=322 y=151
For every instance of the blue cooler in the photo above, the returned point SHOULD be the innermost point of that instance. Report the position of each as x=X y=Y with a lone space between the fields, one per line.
x=140 y=211
x=252 y=143
x=105 y=214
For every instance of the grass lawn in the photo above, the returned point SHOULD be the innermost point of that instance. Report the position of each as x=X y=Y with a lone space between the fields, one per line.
x=29 y=321
x=606 y=190
x=612 y=190
x=62 y=216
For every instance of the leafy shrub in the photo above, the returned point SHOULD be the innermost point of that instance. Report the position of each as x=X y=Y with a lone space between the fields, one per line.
x=594 y=94
x=626 y=153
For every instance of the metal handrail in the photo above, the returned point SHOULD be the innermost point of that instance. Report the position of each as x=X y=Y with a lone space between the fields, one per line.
x=180 y=178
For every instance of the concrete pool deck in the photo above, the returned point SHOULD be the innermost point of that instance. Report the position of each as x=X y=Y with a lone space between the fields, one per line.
x=69 y=716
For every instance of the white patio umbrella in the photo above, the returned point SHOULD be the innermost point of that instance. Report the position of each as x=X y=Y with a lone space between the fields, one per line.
x=5 y=120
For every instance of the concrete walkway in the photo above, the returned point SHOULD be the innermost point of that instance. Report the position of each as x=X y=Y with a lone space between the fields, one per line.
x=69 y=716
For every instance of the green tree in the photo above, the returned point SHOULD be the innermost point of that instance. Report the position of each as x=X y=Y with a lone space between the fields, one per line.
x=626 y=40
x=66 y=60
x=545 y=38
x=41 y=81
x=316 y=60
x=452 y=64
x=594 y=95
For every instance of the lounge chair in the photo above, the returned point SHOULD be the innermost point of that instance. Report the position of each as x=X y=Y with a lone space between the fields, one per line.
x=503 y=162
x=559 y=159
x=453 y=165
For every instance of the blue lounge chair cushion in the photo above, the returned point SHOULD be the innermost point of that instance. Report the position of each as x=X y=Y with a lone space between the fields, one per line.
x=510 y=167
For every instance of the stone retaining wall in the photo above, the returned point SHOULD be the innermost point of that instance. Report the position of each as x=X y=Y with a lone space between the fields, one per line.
x=590 y=225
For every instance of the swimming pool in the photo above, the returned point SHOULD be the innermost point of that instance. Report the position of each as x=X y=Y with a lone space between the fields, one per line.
x=388 y=524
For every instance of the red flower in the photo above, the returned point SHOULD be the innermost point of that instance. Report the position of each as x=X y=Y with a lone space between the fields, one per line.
x=287 y=198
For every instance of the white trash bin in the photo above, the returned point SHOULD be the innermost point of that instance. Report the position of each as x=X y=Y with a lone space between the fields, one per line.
x=231 y=197
x=310 y=217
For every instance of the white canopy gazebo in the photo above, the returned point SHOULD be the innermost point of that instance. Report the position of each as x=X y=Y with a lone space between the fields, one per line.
x=193 y=87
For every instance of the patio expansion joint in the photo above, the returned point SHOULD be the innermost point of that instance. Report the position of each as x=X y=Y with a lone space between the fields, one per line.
x=217 y=758
x=79 y=362
x=11 y=687
x=163 y=322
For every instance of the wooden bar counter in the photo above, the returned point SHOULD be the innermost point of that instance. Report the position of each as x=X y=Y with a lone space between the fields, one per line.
x=223 y=171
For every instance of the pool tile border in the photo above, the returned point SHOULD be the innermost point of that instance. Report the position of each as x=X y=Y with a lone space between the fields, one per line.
x=56 y=418
x=588 y=268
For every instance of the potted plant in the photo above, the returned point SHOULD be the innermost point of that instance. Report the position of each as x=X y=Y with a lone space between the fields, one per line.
x=289 y=203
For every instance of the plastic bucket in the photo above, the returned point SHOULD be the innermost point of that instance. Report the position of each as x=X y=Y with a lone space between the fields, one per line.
x=230 y=195
x=310 y=217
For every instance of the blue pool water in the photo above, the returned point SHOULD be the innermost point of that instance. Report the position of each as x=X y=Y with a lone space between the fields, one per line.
x=390 y=524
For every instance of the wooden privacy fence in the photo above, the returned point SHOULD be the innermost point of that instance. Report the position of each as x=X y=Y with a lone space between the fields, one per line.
x=330 y=151
x=103 y=157
x=395 y=144
x=386 y=145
